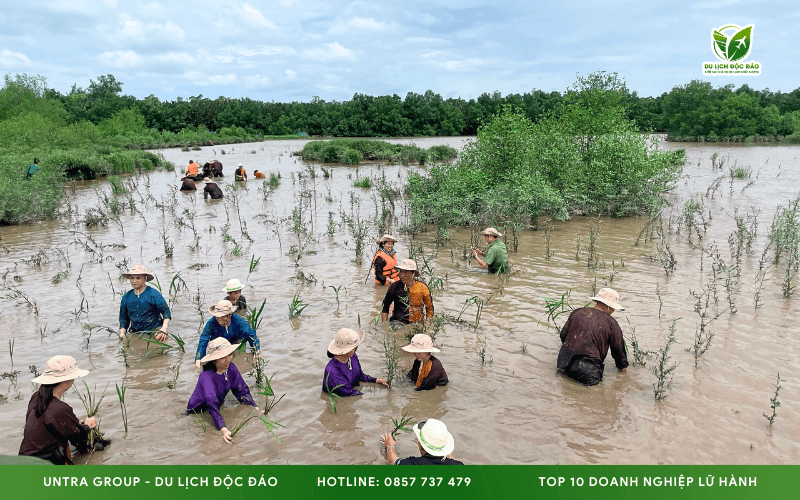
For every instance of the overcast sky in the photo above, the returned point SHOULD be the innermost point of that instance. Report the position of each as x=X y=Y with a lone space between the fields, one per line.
x=291 y=50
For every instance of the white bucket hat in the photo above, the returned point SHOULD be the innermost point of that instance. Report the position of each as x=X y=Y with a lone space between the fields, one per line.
x=609 y=297
x=233 y=285
x=346 y=340
x=221 y=308
x=407 y=265
x=385 y=238
x=207 y=180
x=60 y=369
x=241 y=165
x=433 y=436
x=490 y=231
x=138 y=270
x=420 y=343
x=218 y=348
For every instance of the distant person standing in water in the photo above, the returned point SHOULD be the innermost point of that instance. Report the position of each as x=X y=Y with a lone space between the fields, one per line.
x=211 y=189
x=234 y=290
x=587 y=335
x=32 y=168
x=240 y=174
x=385 y=261
x=216 y=168
x=187 y=184
x=496 y=255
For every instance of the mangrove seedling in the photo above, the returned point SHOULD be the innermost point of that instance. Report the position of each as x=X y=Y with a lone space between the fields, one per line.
x=92 y=405
x=121 y=396
x=774 y=403
x=401 y=424
x=269 y=424
x=253 y=265
x=336 y=291
x=331 y=394
x=296 y=306
x=663 y=369
x=482 y=356
x=390 y=356
x=176 y=370
x=11 y=351
x=254 y=318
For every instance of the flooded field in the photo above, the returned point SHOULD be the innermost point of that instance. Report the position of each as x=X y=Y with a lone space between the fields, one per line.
x=510 y=408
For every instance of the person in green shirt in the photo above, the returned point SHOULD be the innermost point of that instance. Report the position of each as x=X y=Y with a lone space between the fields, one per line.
x=496 y=256
x=33 y=168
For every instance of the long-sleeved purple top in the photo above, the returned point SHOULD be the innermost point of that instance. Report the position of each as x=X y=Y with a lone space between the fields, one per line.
x=211 y=391
x=337 y=373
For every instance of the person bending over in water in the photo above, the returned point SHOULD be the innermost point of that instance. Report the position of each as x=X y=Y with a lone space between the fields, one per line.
x=228 y=325
x=427 y=372
x=187 y=184
x=344 y=369
x=259 y=175
x=587 y=336
x=211 y=189
x=434 y=442
x=51 y=424
x=219 y=376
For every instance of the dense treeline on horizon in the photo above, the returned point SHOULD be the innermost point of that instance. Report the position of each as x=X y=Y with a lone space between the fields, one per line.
x=694 y=111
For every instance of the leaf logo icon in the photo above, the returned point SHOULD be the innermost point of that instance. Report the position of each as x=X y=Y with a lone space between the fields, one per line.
x=735 y=48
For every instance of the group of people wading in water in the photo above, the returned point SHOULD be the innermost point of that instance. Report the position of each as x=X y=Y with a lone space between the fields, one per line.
x=51 y=425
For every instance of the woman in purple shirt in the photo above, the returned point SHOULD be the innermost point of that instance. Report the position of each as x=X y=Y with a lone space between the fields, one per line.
x=219 y=376
x=343 y=369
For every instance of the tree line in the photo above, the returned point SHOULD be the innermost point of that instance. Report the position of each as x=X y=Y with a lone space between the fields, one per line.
x=694 y=111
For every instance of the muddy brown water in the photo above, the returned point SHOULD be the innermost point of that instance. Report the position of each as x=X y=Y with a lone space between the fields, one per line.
x=512 y=410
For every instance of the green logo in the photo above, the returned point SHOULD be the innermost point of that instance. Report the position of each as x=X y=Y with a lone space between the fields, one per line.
x=731 y=42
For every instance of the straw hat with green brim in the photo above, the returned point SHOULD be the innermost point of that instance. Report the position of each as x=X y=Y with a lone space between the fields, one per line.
x=490 y=231
x=60 y=369
x=407 y=265
x=346 y=340
x=221 y=308
x=233 y=285
x=433 y=437
x=420 y=343
x=609 y=297
x=218 y=349
x=385 y=238
x=139 y=270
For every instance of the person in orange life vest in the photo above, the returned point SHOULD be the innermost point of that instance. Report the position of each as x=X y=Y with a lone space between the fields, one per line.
x=259 y=175
x=192 y=171
x=385 y=261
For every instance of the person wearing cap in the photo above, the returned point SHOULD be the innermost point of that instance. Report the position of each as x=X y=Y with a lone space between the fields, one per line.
x=211 y=189
x=143 y=309
x=411 y=298
x=343 y=372
x=385 y=261
x=496 y=255
x=259 y=175
x=50 y=424
x=227 y=325
x=219 y=376
x=240 y=174
x=587 y=336
x=435 y=445
x=234 y=290
x=427 y=372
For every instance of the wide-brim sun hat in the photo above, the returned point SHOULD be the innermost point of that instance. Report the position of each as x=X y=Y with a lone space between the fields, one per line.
x=207 y=180
x=217 y=349
x=433 y=437
x=385 y=238
x=420 y=343
x=346 y=340
x=233 y=285
x=139 y=270
x=60 y=369
x=407 y=265
x=221 y=308
x=490 y=231
x=609 y=297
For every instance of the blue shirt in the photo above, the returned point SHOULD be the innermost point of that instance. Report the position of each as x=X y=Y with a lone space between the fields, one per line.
x=142 y=313
x=238 y=331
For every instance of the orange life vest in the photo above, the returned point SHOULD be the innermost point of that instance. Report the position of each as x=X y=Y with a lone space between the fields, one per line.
x=192 y=169
x=389 y=270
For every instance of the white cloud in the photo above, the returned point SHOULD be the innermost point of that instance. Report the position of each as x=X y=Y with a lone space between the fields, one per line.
x=13 y=59
x=181 y=58
x=261 y=51
x=136 y=29
x=335 y=51
x=120 y=58
x=289 y=73
x=254 y=16
x=199 y=78
x=367 y=24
